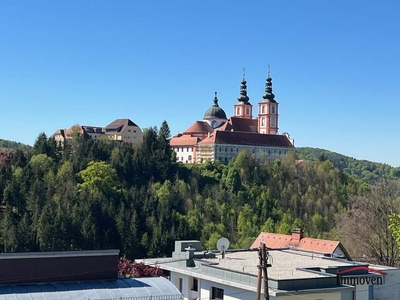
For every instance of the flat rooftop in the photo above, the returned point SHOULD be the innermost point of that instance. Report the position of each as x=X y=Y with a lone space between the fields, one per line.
x=285 y=263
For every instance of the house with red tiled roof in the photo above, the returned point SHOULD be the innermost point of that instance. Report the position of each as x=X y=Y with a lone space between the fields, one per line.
x=296 y=241
x=220 y=138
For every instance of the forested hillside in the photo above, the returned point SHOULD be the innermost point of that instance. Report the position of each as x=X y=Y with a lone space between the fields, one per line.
x=5 y=144
x=364 y=170
x=98 y=194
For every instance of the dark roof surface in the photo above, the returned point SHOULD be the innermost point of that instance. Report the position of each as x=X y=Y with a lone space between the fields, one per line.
x=215 y=112
x=248 y=138
x=119 y=123
x=107 y=289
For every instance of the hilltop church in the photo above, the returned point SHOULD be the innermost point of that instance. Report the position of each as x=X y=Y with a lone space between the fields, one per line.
x=218 y=138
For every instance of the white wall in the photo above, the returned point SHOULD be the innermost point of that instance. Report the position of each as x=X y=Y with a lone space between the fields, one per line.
x=316 y=296
x=230 y=293
x=183 y=153
x=204 y=289
x=391 y=286
x=361 y=292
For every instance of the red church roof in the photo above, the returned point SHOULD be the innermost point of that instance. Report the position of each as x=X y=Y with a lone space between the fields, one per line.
x=199 y=127
x=240 y=124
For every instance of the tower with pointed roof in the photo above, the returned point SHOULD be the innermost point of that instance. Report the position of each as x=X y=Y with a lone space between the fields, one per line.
x=243 y=108
x=268 y=110
x=215 y=116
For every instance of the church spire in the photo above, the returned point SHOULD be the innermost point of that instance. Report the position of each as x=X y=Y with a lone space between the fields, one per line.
x=268 y=95
x=243 y=89
x=215 y=100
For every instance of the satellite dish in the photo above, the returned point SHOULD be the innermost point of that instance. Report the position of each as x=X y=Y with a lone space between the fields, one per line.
x=223 y=245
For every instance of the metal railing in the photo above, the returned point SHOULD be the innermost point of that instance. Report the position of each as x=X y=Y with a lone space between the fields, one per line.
x=158 y=297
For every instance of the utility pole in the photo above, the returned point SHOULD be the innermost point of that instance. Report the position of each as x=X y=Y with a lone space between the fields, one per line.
x=260 y=266
x=265 y=269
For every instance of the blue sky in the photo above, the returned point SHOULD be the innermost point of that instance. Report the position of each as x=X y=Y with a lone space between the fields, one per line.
x=335 y=66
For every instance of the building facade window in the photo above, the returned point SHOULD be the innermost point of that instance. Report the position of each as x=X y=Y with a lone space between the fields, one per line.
x=217 y=293
x=180 y=284
x=272 y=109
x=263 y=109
x=238 y=111
x=262 y=121
x=190 y=158
x=195 y=284
x=247 y=111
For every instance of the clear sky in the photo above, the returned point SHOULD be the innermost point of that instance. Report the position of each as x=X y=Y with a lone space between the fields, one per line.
x=335 y=66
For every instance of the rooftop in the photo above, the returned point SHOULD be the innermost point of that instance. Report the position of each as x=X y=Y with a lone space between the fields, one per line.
x=286 y=264
x=297 y=241
x=248 y=139
x=155 y=287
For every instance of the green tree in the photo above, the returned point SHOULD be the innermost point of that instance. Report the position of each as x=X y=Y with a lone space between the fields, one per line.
x=99 y=177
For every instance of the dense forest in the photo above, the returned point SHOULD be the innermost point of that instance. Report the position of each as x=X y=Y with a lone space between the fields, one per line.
x=364 y=170
x=89 y=194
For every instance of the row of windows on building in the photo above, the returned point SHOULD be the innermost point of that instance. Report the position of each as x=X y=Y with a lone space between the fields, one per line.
x=272 y=109
x=247 y=111
x=254 y=150
x=189 y=159
x=272 y=122
x=216 y=293
x=188 y=149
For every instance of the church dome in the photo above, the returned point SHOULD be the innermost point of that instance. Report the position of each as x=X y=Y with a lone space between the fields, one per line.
x=215 y=112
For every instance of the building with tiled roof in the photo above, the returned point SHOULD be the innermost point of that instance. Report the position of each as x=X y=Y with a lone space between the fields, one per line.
x=218 y=138
x=201 y=273
x=296 y=241
x=123 y=130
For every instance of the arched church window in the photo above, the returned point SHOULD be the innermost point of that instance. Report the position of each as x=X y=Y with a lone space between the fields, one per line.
x=263 y=109
x=262 y=121
x=238 y=111
x=272 y=109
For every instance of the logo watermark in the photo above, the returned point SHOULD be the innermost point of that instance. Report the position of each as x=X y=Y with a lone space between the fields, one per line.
x=371 y=279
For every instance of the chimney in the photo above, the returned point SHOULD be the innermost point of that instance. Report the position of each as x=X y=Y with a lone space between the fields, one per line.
x=297 y=234
x=190 y=260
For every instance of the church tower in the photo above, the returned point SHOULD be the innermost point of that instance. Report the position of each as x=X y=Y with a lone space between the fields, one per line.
x=268 y=110
x=243 y=108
